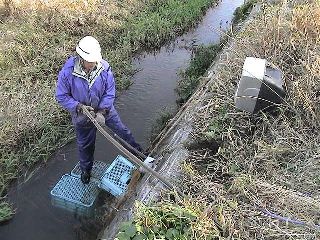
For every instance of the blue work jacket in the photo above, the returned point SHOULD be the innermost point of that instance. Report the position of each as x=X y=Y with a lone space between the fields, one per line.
x=73 y=89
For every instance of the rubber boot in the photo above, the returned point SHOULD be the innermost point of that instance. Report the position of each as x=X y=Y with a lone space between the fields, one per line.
x=85 y=177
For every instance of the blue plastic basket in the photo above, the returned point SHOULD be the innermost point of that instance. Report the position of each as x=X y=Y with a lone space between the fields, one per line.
x=115 y=180
x=71 y=194
x=98 y=169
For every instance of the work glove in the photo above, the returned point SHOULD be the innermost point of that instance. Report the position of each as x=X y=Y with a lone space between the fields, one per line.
x=149 y=161
x=100 y=118
x=101 y=114
x=80 y=107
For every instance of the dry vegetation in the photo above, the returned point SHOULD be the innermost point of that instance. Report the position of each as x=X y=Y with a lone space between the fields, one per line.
x=263 y=182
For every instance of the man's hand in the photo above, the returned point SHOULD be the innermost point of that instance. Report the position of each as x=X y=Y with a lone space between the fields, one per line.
x=101 y=115
x=81 y=106
x=100 y=118
x=104 y=111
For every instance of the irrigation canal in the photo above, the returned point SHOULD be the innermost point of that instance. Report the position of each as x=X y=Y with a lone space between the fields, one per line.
x=153 y=90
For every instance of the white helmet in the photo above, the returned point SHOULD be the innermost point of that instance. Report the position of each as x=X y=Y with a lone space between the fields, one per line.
x=89 y=49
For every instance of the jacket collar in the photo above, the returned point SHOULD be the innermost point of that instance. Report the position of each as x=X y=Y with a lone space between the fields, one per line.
x=78 y=71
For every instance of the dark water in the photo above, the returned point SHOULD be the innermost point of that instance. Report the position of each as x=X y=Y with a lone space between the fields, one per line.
x=153 y=89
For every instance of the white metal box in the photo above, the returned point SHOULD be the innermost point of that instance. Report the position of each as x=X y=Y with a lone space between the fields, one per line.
x=260 y=86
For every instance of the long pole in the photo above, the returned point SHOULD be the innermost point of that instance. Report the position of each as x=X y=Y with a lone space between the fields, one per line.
x=128 y=154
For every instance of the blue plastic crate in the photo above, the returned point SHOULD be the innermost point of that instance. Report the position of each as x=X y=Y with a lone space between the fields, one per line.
x=71 y=194
x=98 y=169
x=115 y=180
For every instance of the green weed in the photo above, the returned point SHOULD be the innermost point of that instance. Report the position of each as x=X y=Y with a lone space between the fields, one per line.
x=201 y=60
x=169 y=221
x=217 y=125
x=243 y=11
x=6 y=211
x=151 y=29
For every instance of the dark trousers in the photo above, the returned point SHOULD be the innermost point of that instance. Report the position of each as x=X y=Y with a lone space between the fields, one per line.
x=86 y=137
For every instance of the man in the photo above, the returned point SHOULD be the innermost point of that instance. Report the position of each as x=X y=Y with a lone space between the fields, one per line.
x=86 y=81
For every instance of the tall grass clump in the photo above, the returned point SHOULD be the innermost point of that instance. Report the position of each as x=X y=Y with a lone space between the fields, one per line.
x=243 y=11
x=238 y=205
x=266 y=164
x=6 y=211
x=164 y=21
x=202 y=58
x=38 y=36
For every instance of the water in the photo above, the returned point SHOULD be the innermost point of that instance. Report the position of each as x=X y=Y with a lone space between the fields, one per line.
x=153 y=90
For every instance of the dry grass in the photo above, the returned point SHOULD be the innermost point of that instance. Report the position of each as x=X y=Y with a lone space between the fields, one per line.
x=237 y=207
x=265 y=161
x=63 y=5
x=288 y=142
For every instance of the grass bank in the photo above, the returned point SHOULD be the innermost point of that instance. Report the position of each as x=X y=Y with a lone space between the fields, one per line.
x=262 y=181
x=36 y=39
